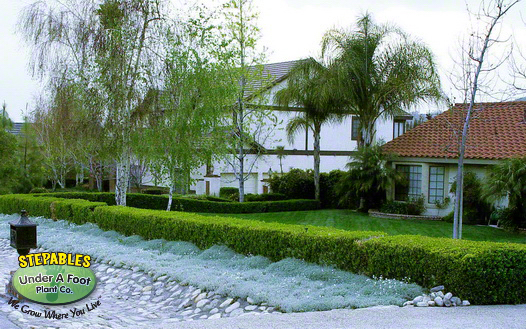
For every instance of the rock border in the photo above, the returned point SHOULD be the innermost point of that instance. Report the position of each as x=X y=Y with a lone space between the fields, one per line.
x=437 y=298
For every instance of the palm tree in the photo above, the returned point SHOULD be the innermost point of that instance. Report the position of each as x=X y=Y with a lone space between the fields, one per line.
x=380 y=70
x=368 y=177
x=508 y=178
x=280 y=152
x=308 y=88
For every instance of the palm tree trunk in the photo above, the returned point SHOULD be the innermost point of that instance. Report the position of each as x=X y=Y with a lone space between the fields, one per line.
x=317 y=130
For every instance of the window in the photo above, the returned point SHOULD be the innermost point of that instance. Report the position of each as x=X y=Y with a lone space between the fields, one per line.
x=399 y=128
x=412 y=187
x=355 y=128
x=436 y=184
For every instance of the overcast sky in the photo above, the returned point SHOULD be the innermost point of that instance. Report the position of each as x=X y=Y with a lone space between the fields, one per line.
x=291 y=29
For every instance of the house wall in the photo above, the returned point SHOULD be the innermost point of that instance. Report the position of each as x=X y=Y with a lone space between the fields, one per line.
x=450 y=176
x=335 y=136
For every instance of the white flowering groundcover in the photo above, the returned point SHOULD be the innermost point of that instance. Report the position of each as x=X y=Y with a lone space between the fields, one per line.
x=290 y=284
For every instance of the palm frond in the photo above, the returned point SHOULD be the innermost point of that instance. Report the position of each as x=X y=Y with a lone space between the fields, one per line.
x=296 y=125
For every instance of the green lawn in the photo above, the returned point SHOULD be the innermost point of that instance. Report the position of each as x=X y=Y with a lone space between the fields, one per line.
x=352 y=221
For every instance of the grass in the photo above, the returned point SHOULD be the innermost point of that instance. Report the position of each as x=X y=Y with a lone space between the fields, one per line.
x=352 y=221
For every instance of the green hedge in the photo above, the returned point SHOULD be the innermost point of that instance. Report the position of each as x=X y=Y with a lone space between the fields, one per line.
x=483 y=272
x=265 y=197
x=321 y=245
x=75 y=210
x=159 y=202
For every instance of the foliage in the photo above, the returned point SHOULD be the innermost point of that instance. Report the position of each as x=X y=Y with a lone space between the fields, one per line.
x=329 y=196
x=368 y=177
x=9 y=162
x=231 y=193
x=379 y=71
x=5 y=121
x=508 y=179
x=505 y=217
x=20 y=158
x=412 y=207
x=186 y=129
x=482 y=272
x=296 y=184
x=159 y=202
x=476 y=209
x=299 y=184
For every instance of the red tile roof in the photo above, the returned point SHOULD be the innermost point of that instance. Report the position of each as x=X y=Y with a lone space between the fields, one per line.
x=497 y=131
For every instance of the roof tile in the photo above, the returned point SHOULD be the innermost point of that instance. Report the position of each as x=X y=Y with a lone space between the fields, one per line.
x=497 y=131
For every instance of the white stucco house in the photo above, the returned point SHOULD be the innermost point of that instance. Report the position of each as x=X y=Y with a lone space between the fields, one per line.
x=338 y=141
x=428 y=153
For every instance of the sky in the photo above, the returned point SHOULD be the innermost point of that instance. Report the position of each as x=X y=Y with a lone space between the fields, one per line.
x=293 y=29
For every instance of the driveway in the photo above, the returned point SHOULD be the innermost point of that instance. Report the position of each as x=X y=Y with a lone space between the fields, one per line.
x=494 y=316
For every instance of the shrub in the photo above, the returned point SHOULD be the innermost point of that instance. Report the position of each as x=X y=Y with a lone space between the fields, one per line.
x=299 y=184
x=508 y=179
x=506 y=218
x=413 y=207
x=296 y=184
x=231 y=193
x=368 y=177
x=475 y=209
x=328 y=194
x=449 y=217
x=160 y=202
x=38 y=190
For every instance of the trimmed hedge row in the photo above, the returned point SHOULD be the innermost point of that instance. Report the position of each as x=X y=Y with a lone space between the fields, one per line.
x=75 y=210
x=276 y=241
x=159 y=202
x=483 y=272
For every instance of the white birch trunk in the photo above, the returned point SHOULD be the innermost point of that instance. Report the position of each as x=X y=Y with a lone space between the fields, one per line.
x=122 y=179
x=170 y=197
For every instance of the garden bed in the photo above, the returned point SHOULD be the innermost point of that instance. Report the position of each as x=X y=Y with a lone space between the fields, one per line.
x=378 y=214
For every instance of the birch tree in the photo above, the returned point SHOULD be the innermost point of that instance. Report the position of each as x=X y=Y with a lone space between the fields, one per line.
x=124 y=47
x=248 y=123
x=476 y=52
x=187 y=130
x=107 y=46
